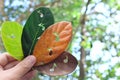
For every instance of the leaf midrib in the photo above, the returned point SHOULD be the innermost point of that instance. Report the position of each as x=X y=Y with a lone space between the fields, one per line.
x=34 y=40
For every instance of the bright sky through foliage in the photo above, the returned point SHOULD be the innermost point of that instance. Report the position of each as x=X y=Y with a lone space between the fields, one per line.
x=97 y=51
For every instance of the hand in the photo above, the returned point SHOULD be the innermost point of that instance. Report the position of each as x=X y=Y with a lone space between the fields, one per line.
x=11 y=69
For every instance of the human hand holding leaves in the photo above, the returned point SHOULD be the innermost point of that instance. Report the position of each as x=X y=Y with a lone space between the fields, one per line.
x=46 y=42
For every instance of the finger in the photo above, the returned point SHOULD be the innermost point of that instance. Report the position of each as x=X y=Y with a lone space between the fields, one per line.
x=11 y=64
x=1 y=68
x=23 y=67
x=5 y=58
x=29 y=75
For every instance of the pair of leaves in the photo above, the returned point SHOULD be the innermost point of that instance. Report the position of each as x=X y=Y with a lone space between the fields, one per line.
x=38 y=21
x=47 y=43
x=52 y=59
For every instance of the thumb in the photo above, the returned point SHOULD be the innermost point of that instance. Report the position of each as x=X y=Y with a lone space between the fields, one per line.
x=24 y=66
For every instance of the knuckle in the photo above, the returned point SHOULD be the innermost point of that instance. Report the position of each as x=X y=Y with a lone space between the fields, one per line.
x=25 y=66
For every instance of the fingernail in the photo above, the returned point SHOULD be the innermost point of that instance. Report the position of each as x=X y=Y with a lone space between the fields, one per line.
x=31 y=59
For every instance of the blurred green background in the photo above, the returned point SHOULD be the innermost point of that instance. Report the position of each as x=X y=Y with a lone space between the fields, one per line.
x=96 y=33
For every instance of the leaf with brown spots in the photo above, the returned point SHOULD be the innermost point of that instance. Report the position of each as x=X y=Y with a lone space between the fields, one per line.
x=52 y=42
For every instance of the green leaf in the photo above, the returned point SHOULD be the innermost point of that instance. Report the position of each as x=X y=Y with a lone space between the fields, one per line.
x=38 y=21
x=11 y=36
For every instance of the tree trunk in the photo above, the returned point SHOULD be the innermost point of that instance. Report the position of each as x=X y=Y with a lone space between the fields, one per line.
x=82 y=63
x=82 y=50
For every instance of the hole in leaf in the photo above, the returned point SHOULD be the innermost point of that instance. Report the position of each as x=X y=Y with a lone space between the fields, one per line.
x=11 y=36
x=52 y=70
x=42 y=26
x=57 y=36
x=53 y=67
x=41 y=14
x=38 y=38
x=66 y=59
x=38 y=11
x=50 y=51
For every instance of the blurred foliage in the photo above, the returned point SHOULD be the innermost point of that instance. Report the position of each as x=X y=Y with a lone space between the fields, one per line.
x=101 y=25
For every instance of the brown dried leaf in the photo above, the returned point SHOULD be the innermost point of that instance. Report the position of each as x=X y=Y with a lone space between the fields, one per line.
x=64 y=64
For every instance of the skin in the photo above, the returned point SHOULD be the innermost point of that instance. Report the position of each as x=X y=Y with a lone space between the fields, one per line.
x=11 y=69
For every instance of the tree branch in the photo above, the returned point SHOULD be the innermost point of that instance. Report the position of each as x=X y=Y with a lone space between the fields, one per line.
x=82 y=50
